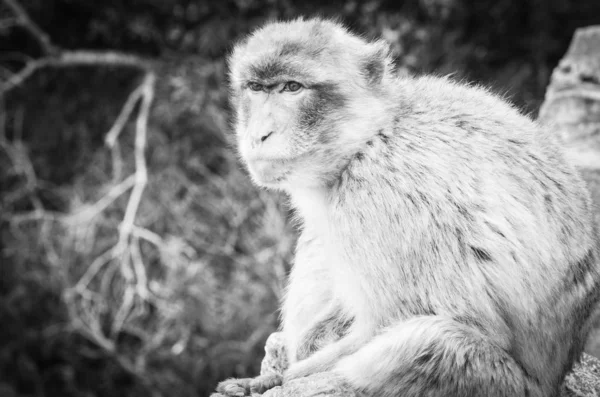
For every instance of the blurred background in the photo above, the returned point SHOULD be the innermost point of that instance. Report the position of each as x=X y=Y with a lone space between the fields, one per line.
x=192 y=293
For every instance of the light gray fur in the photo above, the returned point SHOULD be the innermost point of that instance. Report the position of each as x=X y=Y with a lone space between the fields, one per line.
x=446 y=248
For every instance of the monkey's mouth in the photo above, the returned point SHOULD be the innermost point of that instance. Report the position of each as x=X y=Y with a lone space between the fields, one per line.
x=269 y=172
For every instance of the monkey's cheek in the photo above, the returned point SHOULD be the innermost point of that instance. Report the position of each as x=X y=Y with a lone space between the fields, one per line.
x=267 y=173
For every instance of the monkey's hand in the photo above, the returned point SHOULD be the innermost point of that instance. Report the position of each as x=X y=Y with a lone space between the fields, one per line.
x=247 y=386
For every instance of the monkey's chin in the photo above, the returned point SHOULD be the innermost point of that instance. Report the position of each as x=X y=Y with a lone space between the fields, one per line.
x=268 y=173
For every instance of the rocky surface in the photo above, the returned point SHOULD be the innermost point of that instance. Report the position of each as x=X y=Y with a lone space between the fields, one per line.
x=572 y=110
x=572 y=105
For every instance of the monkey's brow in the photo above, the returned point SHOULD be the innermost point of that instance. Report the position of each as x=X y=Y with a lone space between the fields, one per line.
x=275 y=71
x=273 y=83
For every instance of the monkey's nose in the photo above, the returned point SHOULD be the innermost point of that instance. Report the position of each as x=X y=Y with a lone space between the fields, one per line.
x=265 y=136
x=258 y=138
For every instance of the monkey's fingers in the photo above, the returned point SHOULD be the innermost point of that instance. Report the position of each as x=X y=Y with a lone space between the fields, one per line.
x=262 y=383
x=235 y=387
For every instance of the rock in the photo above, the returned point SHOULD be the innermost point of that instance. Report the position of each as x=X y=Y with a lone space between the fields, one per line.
x=325 y=384
x=572 y=106
x=572 y=110
x=584 y=380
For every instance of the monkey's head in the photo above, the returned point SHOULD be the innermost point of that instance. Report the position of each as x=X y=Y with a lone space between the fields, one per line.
x=307 y=94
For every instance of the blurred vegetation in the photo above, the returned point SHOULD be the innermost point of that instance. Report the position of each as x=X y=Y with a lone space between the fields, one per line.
x=197 y=296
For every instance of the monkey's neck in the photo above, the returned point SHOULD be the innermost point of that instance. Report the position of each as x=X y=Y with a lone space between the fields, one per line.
x=311 y=196
x=311 y=205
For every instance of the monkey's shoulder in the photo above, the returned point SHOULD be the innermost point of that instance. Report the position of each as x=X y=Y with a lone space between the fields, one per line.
x=447 y=124
x=453 y=141
x=441 y=105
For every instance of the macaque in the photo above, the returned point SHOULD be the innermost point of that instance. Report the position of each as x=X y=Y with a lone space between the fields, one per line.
x=447 y=247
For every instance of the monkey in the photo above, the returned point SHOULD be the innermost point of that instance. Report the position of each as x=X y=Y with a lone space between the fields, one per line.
x=446 y=245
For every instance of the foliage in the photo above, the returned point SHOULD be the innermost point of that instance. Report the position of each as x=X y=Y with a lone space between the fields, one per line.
x=198 y=297
x=216 y=245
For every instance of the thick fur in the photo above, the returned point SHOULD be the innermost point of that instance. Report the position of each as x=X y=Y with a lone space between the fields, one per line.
x=447 y=247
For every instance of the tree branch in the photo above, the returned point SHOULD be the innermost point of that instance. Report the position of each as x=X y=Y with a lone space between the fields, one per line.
x=141 y=172
x=75 y=58
x=23 y=20
x=126 y=252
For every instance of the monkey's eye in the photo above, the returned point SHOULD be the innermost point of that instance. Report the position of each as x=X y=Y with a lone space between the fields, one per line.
x=292 y=86
x=254 y=86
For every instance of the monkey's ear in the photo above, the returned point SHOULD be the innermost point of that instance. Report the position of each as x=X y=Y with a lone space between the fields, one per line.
x=375 y=63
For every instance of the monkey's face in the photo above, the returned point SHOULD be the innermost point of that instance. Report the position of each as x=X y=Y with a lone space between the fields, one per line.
x=296 y=95
x=285 y=126
x=271 y=138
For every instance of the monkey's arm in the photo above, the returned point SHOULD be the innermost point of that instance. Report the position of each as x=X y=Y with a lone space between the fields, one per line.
x=324 y=359
x=436 y=356
x=309 y=317
x=423 y=356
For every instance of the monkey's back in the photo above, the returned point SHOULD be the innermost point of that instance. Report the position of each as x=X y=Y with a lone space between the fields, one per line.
x=461 y=183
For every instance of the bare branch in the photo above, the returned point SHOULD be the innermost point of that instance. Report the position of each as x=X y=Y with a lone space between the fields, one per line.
x=139 y=269
x=75 y=58
x=95 y=58
x=26 y=22
x=116 y=162
x=85 y=305
x=23 y=74
x=149 y=236
x=108 y=347
x=141 y=172
x=123 y=312
x=93 y=269
x=89 y=212
x=119 y=124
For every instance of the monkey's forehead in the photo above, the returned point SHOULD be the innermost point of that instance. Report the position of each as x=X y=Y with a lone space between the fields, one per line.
x=299 y=48
x=296 y=34
x=269 y=67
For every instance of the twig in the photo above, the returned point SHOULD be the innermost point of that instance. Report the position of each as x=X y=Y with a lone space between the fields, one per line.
x=123 y=312
x=137 y=261
x=80 y=216
x=26 y=22
x=125 y=255
x=119 y=124
x=93 y=269
x=34 y=215
x=91 y=211
x=21 y=76
x=141 y=172
x=149 y=236
x=109 y=349
x=116 y=162
x=75 y=58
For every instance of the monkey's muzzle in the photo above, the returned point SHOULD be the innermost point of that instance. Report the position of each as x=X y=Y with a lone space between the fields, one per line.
x=268 y=172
